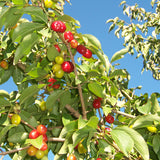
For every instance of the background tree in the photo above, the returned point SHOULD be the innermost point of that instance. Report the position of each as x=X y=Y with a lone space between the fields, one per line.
x=81 y=109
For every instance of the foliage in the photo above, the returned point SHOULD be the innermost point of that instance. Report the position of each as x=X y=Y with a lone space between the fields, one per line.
x=28 y=46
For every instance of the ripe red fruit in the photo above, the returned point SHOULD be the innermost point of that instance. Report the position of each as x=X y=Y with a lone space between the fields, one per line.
x=58 y=26
x=45 y=138
x=99 y=159
x=87 y=54
x=71 y=157
x=4 y=64
x=81 y=49
x=96 y=103
x=100 y=98
x=44 y=146
x=41 y=129
x=109 y=118
x=67 y=66
x=74 y=43
x=57 y=47
x=108 y=130
x=52 y=81
x=68 y=36
x=33 y=134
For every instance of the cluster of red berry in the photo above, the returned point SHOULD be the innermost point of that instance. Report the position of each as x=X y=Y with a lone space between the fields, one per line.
x=35 y=133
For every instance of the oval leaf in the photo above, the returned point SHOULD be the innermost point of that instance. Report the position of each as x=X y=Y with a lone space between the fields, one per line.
x=96 y=89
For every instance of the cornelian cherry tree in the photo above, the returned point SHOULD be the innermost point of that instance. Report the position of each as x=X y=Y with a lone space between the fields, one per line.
x=76 y=109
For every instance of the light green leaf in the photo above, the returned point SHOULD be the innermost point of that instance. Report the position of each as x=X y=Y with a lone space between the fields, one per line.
x=4 y=93
x=30 y=40
x=35 y=142
x=139 y=143
x=145 y=120
x=93 y=40
x=120 y=54
x=119 y=72
x=29 y=93
x=145 y=109
x=154 y=104
x=18 y=2
x=123 y=140
x=107 y=110
x=96 y=89
x=24 y=29
x=37 y=14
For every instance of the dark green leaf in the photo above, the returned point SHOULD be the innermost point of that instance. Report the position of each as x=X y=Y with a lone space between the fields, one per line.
x=30 y=40
x=52 y=53
x=29 y=93
x=18 y=137
x=4 y=93
x=4 y=102
x=156 y=142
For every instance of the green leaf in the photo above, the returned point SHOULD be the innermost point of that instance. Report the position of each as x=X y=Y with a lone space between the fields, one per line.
x=67 y=18
x=93 y=122
x=70 y=127
x=145 y=109
x=18 y=2
x=35 y=142
x=30 y=40
x=107 y=110
x=24 y=29
x=120 y=54
x=156 y=142
x=119 y=72
x=145 y=120
x=4 y=131
x=18 y=137
x=53 y=97
x=111 y=27
x=139 y=143
x=9 y=17
x=37 y=14
x=93 y=40
x=123 y=140
x=96 y=89
x=5 y=75
x=4 y=93
x=4 y=102
x=52 y=53
x=29 y=93
x=154 y=104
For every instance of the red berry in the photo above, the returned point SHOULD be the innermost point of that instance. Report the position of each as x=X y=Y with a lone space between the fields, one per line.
x=76 y=147
x=87 y=54
x=67 y=66
x=81 y=49
x=57 y=47
x=41 y=129
x=68 y=36
x=99 y=159
x=33 y=134
x=58 y=26
x=100 y=98
x=96 y=104
x=109 y=118
x=74 y=43
x=52 y=80
x=108 y=130
x=44 y=146
x=45 y=138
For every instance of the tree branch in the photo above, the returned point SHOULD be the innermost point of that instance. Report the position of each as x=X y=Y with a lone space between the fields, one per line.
x=27 y=124
x=73 y=111
x=76 y=75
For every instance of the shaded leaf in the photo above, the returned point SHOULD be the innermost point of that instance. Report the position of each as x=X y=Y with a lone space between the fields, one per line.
x=18 y=137
x=52 y=53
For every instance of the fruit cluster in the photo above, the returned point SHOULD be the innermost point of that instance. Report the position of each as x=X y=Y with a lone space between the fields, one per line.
x=35 y=133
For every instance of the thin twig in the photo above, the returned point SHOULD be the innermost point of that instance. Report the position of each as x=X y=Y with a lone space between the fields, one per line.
x=14 y=150
x=27 y=124
x=53 y=139
x=122 y=113
x=76 y=76
x=51 y=128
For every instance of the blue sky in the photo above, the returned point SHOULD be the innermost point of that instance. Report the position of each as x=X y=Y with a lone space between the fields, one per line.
x=92 y=15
